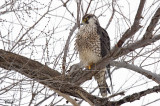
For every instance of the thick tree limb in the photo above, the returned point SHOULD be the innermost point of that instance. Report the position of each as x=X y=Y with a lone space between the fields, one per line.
x=86 y=99
x=25 y=66
x=41 y=73
x=137 y=69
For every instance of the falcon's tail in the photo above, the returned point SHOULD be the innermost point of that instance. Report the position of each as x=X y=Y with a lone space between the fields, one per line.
x=102 y=84
x=109 y=75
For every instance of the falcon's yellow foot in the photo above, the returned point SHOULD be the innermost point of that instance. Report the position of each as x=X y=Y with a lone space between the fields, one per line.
x=89 y=67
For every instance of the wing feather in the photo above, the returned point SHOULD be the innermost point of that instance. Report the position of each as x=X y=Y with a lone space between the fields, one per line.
x=105 y=48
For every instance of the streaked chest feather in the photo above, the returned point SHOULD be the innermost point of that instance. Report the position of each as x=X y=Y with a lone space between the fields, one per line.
x=87 y=38
x=88 y=45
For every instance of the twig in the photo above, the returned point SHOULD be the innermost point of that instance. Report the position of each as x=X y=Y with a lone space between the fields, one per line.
x=78 y=13
x=67 y=97
x=66 y=49
x=152 y=102
x=110 y=20
x=38 y=104
x=88 y=6
x=31 y=27
x=65 y=5
x=120 y=93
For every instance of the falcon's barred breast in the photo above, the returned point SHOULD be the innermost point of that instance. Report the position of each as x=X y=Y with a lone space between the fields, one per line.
x=93 y=43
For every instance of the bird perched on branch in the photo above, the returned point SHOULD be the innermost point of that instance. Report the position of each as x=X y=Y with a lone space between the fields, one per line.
x=93 y=43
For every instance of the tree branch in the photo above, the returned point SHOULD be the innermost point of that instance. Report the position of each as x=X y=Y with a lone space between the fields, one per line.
x=113 y=12
x=137 y=69
x=135 y=27
x=66 y=49
x=25 y=66
x=30 y=28
x=88 y=7
x=136 y=96
x=86 y=99
x=152 y=25
x=41 y=73
x=67 y=97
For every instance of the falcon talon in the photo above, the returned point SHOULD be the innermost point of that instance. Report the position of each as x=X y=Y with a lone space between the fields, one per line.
x=89 y=67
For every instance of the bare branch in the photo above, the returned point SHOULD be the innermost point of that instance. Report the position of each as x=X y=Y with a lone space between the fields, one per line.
x=152 y=25
x=135 y=27
x=111 y=18
x=88 y=6
x=86 y=99
x=44 y=99
x=31 y=27
x=11 y=61
x=66 y=49
x=137 y=96
x=40 y=73
x=137 y=69
x=117 y=94
x=65 y=5
x=78 y=13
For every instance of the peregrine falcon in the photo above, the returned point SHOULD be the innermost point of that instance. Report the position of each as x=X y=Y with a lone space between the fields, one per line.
x=93 y=43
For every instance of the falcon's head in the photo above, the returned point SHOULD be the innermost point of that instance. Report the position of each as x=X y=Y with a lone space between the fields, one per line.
x=90 y=19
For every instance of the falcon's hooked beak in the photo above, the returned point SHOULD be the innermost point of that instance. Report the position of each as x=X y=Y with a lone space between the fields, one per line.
x=82 y=23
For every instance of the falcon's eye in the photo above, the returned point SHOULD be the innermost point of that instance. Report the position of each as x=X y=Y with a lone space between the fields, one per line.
x=85 y=20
